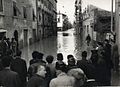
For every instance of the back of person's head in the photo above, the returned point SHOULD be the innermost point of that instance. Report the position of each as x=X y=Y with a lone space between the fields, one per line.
x=19 y=52
x=71 y=60
x=9 y=52
x=40 y=70
x=6 y=60
x=100 y=44
x=49 y=58
x=84 y=54
x=70 y=56
x=94 y=56
x=35 y=54
x=106 y=40
x=59 y=56
x=40 y=55
x=61 y=66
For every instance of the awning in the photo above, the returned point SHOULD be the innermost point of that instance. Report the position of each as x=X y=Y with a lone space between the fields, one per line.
x=2 y=30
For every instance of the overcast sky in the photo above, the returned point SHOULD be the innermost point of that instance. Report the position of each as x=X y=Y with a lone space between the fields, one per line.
x=67 y=6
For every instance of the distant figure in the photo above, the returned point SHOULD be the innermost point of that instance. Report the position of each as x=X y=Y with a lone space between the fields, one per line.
x=8 y=78
x=14 y=46
x=38 y=79
x=19 y=65
x=8 y=42
x=88 y=39
x=3 y=46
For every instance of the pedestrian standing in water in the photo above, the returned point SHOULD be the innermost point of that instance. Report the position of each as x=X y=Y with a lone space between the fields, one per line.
x=88 y=39
x=38 y=79
x=14 y=46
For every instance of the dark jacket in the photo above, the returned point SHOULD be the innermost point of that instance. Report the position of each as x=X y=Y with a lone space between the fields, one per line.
x=19 y=65
x=87 y=67
x=36 y=81
x=9 y=78
x=32 y=67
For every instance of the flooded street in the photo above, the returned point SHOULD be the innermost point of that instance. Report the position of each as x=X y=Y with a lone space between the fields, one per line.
x=70 y=44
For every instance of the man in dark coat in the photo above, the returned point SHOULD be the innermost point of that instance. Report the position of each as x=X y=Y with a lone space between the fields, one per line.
x=19 y=65
x=34 y=56
x=40 y=61
x=38 y=79
x=87 y=67
x=107 y=57
x=8 y=78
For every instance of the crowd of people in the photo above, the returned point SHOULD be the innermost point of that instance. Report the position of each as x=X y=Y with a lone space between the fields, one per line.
x=95 y=71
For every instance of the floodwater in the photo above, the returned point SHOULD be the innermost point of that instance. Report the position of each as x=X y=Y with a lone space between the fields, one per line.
x=69 y=44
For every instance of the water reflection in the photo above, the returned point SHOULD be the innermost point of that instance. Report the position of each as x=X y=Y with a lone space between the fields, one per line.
x=70 y=44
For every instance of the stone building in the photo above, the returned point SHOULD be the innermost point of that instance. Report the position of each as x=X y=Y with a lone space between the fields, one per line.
x=15 y=16
x=47 y=18
x=96 y=22
x=32 y=19
x=78 y=17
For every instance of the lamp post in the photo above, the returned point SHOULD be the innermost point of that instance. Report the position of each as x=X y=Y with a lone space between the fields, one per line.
x=112 y=16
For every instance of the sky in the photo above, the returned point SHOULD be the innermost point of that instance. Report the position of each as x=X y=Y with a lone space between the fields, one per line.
x=67 y=6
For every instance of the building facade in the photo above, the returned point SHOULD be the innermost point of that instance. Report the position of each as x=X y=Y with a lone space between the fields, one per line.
x=78 y=17
x=32 y=19
x=96 y=22
x=14 y=16
x=60 y=19
x=47 y=18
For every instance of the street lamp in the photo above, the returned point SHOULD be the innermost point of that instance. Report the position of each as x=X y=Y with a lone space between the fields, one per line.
x=112 y=16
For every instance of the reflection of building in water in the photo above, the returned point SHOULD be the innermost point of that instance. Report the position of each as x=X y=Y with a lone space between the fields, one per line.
x=66 y=44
